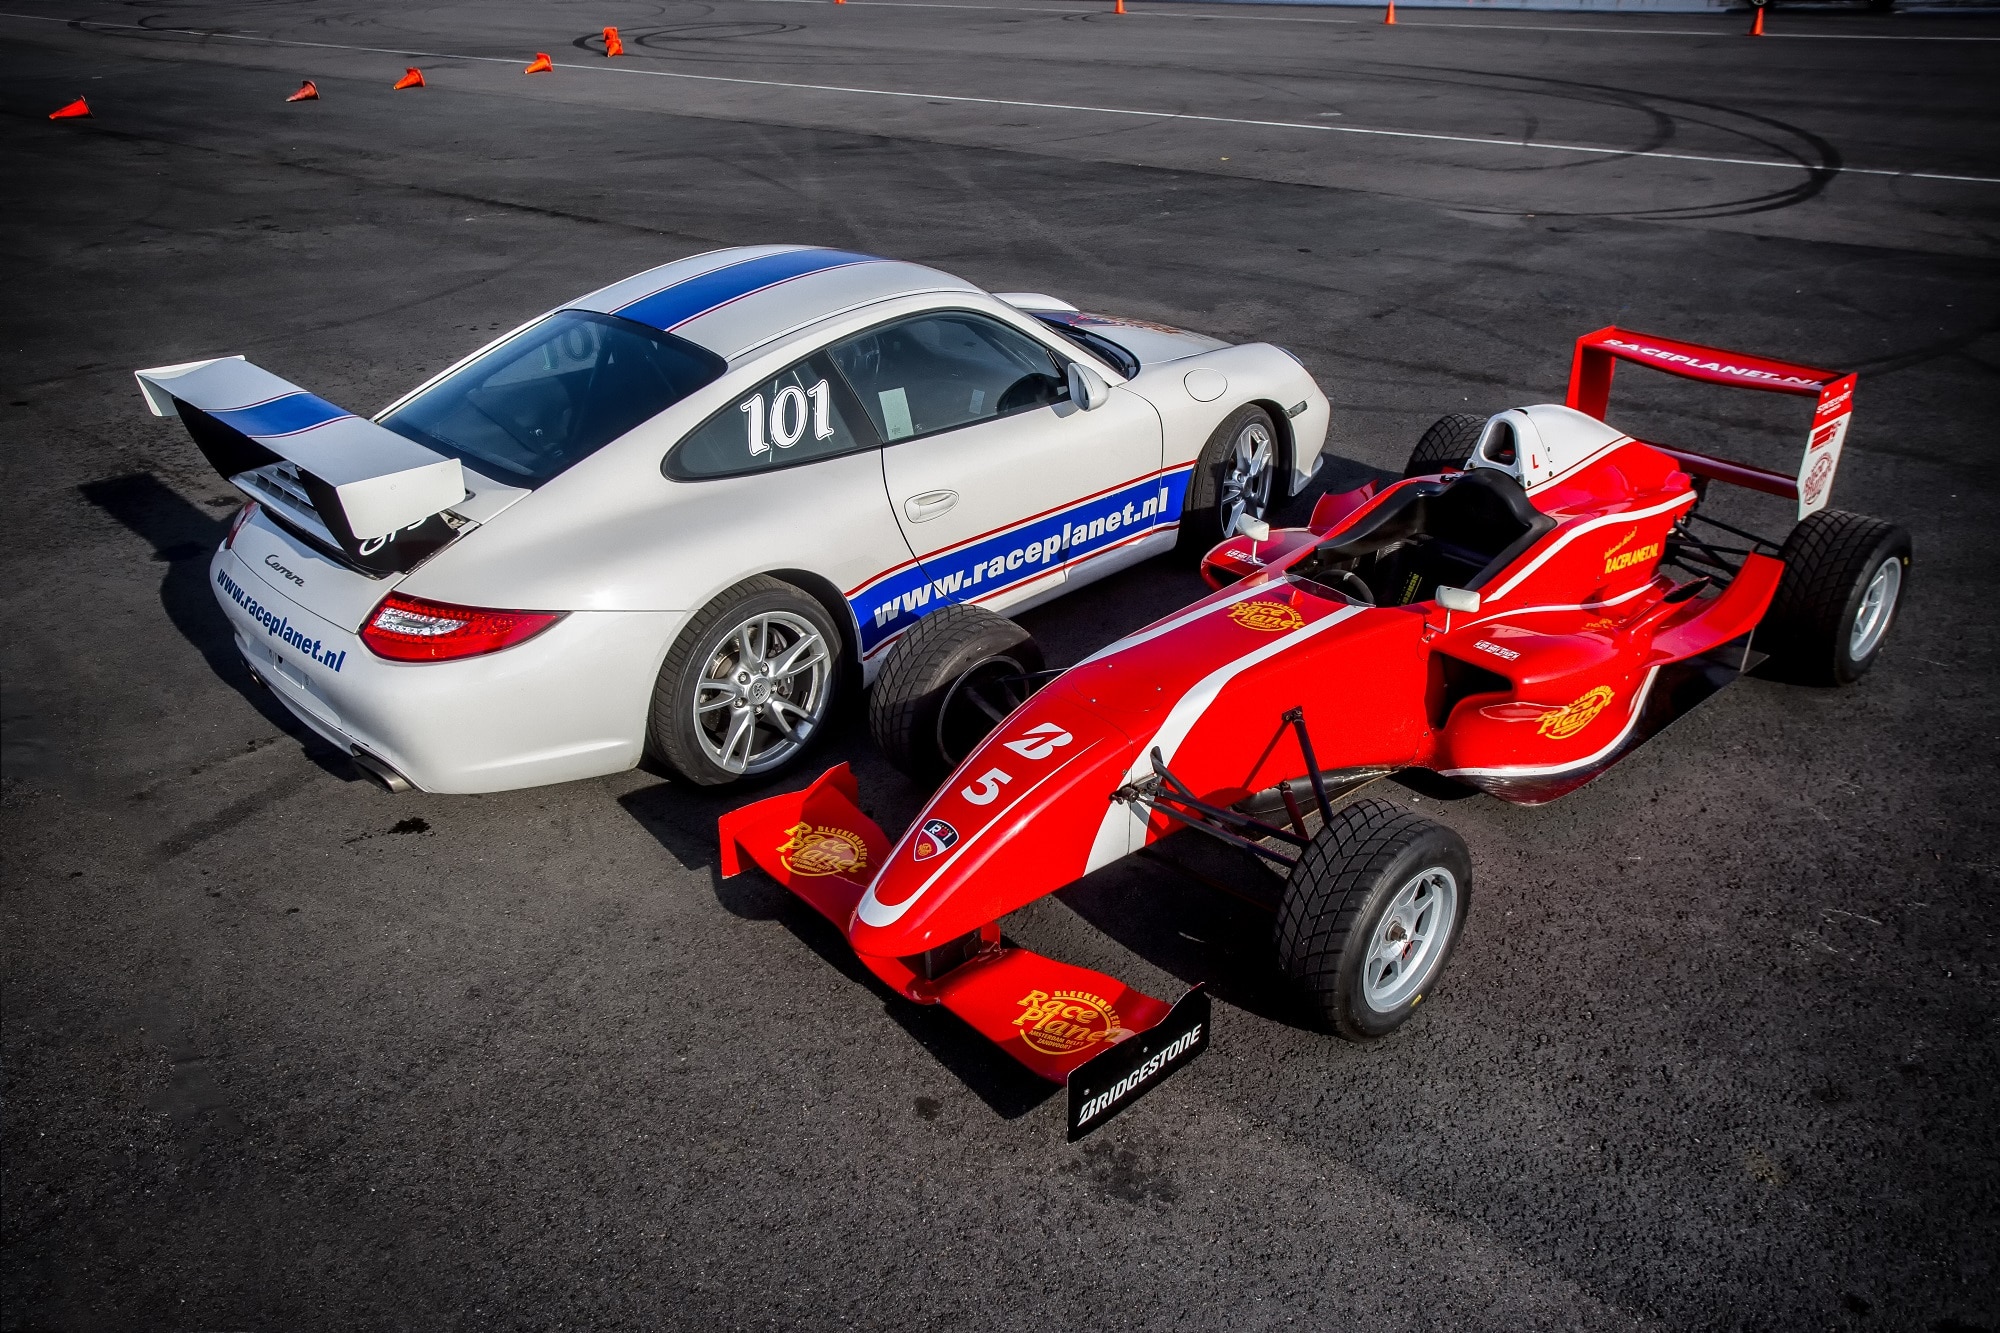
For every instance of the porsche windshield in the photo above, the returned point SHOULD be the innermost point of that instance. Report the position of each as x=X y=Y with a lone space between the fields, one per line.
x=554 y=394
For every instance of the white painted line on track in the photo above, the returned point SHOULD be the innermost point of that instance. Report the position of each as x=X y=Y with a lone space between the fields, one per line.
x=1401 y=23
x=1134 y=112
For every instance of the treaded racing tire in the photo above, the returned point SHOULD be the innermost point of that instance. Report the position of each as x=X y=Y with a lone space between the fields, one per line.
x=1446 y=445
x=1822 y=627
x=671 y=729
x=925 y=711
x=1365 y=876
x=1201 y=514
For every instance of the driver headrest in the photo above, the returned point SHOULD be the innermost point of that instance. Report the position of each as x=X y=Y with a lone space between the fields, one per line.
x=1536 y=445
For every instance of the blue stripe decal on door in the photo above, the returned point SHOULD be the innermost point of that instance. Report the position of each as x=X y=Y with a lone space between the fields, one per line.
x=288 y=415
x=676 y=305
x=1038 y=547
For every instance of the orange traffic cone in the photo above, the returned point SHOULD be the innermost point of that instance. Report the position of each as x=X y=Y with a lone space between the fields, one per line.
x=1757 y=25
x=612 y=46
x=541 y=64
x=77 y=110
x=308 y=92
x=412 y=78
x=1390 y=17
x=1119 y=8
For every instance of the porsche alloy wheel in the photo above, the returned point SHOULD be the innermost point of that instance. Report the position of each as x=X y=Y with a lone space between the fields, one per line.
x=1236 y=477
x=1370 y=915
x=1247 y=476
x=748 y=686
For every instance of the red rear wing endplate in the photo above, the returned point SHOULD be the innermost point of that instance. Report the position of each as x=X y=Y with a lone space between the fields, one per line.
x=1598 y=354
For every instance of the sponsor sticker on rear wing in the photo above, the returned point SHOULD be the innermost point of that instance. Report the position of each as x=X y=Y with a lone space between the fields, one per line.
x=1598 y=354
x=377 y=497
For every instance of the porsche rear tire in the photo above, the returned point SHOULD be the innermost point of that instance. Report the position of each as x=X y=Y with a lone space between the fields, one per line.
x=946 y=685
x=1371 y=914
x=1446 y=446
x=1845 y=578
x=747 y=687
x=1235 y=477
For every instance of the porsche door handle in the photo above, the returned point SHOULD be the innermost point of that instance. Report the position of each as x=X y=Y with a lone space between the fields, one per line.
x=929 y=505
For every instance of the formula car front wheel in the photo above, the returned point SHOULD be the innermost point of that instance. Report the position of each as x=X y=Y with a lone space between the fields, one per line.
x=747 y=686
x=1446 y=446
x=946 y=685
x=1845 y=575
x=1370 y=916
x=1236 y=477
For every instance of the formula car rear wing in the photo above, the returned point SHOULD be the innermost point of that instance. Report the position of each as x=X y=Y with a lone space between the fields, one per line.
x=342 y=481
x=1597 y=356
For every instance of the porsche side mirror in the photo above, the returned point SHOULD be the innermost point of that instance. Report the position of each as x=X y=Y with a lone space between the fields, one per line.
x=1087 y=388
x=1458 y=599
x=1256 y=529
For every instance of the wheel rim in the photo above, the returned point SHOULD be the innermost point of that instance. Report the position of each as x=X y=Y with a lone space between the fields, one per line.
x=1408 y=942
x=978 y=701
x=1246 y=477
x=763 y=693
x=1878 y=605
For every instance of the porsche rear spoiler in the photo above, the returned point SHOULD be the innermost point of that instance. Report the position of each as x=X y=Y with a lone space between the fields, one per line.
x=369 y=495
x=1598 y=354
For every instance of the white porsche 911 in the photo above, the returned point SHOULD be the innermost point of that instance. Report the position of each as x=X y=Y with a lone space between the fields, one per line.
x=675 y=514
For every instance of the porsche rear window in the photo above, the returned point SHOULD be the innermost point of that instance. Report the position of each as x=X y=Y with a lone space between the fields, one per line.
x=554 y=394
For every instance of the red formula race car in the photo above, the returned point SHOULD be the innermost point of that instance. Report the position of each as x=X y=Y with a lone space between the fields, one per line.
x=1537 y=597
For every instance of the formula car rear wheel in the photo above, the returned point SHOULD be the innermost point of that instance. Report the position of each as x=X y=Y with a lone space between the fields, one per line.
x=1446 y=445
x=1370 y=915
x=1236 y=477
x=946 y=685
x=1845 y=576
x=747 y=686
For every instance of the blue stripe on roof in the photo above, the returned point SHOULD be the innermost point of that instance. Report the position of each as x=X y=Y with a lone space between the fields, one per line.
x=683 y=301
x=281 y=416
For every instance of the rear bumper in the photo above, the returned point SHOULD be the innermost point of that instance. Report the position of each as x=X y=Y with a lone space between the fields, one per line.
x=570 y=703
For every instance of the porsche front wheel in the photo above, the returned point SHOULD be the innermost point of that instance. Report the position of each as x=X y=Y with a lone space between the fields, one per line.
x=1236 y=477
x=747 y=686
x=1370 y=915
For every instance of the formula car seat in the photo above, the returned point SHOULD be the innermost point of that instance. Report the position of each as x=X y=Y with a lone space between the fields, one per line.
x=1456 y=533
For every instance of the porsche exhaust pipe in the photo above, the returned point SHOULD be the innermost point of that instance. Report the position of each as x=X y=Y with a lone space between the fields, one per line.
x=381 y=773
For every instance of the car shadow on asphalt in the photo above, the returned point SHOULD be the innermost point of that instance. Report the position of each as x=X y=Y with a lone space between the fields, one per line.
x=183 y=537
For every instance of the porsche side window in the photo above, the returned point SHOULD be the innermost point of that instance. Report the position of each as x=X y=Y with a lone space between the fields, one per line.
x=938 y=372
x=797 y=417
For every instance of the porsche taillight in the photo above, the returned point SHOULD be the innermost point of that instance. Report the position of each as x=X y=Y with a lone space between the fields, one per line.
x=236 y=524
x=410 y=629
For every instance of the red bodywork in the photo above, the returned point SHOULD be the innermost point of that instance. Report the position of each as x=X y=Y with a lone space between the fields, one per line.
x=1581 y=647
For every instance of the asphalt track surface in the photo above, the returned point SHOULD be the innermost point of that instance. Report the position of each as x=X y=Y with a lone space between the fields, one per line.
x=283 y=1051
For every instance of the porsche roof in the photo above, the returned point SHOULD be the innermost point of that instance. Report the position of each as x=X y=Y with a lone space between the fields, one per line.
x=731 y=301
